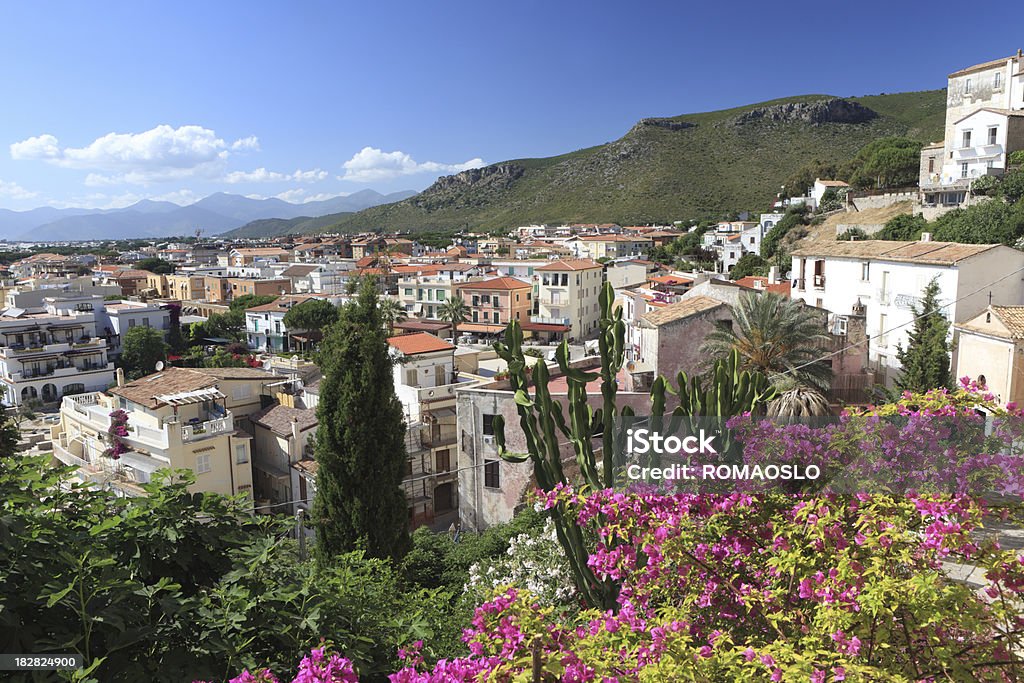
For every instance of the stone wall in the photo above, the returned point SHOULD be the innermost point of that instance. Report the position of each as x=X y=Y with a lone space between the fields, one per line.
x=880 y=200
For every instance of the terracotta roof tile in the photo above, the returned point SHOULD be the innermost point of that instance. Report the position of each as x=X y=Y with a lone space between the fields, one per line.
x=170 y=381
x=279 y=419
x=570 y=264
x=420 y=342
x=680 y=310
x=502 y=283
x=936 y=253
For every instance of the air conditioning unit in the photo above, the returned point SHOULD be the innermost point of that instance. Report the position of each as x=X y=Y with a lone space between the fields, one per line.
x=489 y=439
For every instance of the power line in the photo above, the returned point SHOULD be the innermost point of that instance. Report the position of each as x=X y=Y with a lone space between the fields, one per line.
x=901 y=325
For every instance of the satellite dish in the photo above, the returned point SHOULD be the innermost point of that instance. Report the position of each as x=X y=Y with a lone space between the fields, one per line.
x=159 y=365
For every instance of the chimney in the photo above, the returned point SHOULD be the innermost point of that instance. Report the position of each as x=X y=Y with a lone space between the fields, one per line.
x=773 y=275
x=1020 y=53
x=120 y=377
x=926 y=237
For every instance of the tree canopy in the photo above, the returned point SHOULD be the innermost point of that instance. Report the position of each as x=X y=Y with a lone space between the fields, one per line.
x=925 y=360
x=312 y=314
x=249 y=300
x=155 y=265
x=141 y=349
x=360 y=443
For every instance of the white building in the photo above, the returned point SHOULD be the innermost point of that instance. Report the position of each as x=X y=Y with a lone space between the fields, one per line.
x=117 y=317
x=425 y=383
x=889 y=277
x=984 y=125
x=51 y=352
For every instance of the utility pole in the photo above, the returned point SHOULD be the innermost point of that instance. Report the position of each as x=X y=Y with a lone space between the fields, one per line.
x=300 y=533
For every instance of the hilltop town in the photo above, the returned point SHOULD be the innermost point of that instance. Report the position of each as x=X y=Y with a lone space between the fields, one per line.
x=125 y=358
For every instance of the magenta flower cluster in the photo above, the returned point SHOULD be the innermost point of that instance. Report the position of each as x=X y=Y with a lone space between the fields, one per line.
x=116 y=434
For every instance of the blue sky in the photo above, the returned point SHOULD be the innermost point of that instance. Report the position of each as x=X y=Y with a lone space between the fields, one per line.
x=102 y=104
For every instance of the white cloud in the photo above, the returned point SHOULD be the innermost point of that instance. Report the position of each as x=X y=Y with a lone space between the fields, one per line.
x=12 y=190
x=370 y=165
x=262 y=175
x=159 y=154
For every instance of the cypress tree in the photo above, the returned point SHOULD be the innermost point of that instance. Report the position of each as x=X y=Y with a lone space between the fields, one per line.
x=925 y=361
x=360 y=442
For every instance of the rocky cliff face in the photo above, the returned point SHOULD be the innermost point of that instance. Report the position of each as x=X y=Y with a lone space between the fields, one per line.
x=667 y=124
x=833 y=110
x=453 y=191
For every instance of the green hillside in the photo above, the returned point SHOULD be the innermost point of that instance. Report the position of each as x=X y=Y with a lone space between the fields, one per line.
x=269 y=227
x=690 y=166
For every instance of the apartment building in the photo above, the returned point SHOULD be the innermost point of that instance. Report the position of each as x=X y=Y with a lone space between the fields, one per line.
x=241 y=286
x=265 y=329
x=610 y=246
x=568 y=295
x=186 y=286
x=177 y=418
x=251 y=255
x=422 y=290
x=493 y=303
x=117 y=317
x=984 y=125
x=52 y=351
x=425 y=383
x=887 y=279
x=281 y=439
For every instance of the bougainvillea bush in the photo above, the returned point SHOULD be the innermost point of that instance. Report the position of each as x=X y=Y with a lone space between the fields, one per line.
x=766 y=587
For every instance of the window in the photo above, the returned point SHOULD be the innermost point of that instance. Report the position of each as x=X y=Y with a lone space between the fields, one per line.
x=963 y=170
x=443 y=461
x=966 y=139
x=488 y=424
x=997 y=81
x=492 y=474
x=131 y=324
x=241 y=454
x=967 y=87
x=992 y=132
x=408 y=291
x=497 y=315
x=883 y=325
x=410 y=377
x=408 y=467
x=865 y=271
x=203 y=463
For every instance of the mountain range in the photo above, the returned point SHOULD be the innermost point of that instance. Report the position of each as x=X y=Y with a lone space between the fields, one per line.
x=693 y=166
x=147 y=218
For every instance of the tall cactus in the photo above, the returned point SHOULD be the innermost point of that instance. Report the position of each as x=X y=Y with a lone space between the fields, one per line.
x=547 y=428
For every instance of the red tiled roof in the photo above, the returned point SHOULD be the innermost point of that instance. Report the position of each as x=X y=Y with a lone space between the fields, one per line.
x=419 y=342
x=503 y=283
x=570 y=264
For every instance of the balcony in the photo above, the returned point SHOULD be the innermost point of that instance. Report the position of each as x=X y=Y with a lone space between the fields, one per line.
x=819 y=282
x=202 y=430
x=58 y=370
x=26 y=351
x=549 y=321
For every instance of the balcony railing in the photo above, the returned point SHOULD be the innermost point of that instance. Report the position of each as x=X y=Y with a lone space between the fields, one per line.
x=549 y=321
x=202 y=430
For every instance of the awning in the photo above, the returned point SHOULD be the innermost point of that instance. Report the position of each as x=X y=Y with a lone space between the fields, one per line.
x=481 y=328
x=422 y=325
x=436 y=415
x=186 y=397
x=544 y=327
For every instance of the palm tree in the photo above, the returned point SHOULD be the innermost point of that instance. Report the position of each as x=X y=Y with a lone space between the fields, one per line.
x=794 y=400
x=774 y=335
x=391 y=312
x=454 y=311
